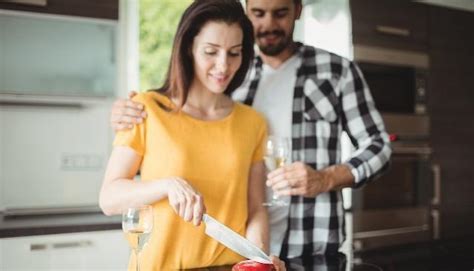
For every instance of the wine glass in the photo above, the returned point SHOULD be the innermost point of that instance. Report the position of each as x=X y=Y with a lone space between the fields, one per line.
x=137 y=223
x=276 y=155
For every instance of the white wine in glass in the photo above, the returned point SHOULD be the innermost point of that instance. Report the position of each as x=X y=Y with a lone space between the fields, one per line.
x=137 y=223
x=276 y=154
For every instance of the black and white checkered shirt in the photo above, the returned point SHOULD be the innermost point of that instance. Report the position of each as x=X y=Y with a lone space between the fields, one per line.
x=330 y=96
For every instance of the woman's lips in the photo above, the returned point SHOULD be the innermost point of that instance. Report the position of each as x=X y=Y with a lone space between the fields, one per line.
x=221 y=79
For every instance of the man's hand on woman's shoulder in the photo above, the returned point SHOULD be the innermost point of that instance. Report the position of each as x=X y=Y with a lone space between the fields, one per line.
x=126 y=113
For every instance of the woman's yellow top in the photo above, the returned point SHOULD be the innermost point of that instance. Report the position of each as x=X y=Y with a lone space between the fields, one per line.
x=215 y=158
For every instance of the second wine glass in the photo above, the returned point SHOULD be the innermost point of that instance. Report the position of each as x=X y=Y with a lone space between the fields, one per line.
x=276 y=155
x=137 y=224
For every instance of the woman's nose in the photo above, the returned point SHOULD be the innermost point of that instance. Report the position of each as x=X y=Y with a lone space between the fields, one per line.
x=222 y=63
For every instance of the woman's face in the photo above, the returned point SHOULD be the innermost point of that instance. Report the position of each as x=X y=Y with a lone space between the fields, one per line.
x=217 y=53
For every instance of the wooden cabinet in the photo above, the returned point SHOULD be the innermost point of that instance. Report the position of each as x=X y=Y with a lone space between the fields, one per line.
x=451 y=29
x=102 y=250
x=399 y=24
x=451 y=106
x=104 y=9
x=446 y=35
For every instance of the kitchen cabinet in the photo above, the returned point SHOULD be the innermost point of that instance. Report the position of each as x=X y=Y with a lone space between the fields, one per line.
x=446 y=35
x=104 y=9
x=450 y=103
x=398 y=24
x=51 y=55
x=102 y=250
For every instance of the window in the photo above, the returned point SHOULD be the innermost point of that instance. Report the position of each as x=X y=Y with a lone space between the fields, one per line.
x=158 y=22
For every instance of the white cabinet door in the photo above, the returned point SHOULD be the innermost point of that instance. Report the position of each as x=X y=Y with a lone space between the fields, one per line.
x=102 y=250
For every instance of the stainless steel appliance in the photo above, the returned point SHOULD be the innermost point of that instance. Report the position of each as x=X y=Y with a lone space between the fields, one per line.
x=401 y=206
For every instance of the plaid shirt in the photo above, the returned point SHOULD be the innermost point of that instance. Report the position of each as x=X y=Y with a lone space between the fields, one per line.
x=330 y=96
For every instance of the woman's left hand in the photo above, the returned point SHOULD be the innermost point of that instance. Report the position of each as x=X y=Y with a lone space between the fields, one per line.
x=278 y=264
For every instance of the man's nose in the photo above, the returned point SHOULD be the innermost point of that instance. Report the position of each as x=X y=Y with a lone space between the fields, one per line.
x=268 y=21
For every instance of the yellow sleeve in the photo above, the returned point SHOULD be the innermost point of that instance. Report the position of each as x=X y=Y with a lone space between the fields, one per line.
x=135 y=137
x=262 y=138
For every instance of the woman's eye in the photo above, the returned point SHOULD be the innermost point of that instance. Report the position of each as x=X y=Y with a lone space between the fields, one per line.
x=234 y=54
x=211 y=53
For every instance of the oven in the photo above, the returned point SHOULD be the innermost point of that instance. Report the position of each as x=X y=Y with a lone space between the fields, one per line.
x=397 y=79
x=401 y=206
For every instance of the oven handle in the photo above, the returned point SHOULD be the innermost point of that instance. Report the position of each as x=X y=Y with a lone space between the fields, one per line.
x=436 y=226
x=393 y=30
x=387 y=232
x=436 y=200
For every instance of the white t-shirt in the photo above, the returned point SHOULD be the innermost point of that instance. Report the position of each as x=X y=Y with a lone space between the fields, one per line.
x=274 y=99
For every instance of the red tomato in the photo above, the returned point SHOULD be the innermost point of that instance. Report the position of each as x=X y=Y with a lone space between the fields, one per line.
x=250 y=265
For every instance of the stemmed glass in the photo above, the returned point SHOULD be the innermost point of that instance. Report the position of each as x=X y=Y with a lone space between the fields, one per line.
x=137 y=223
x=276 y=155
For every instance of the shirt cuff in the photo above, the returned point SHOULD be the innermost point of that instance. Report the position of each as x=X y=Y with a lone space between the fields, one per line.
x=354 y=172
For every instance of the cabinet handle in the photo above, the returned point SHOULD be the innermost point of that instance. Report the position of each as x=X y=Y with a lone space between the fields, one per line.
x=84 y=243
x=61 y=245
x=436 y=226
x=391 y=30
x=436 y=200
x=42 y=104
x=38 y=247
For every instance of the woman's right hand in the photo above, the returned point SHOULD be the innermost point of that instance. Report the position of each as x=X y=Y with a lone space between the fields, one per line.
x=185 y=200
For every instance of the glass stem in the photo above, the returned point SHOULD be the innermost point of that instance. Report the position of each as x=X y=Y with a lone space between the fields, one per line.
x=136 y=259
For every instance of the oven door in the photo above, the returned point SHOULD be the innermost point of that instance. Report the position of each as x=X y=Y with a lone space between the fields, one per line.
x=395 y=209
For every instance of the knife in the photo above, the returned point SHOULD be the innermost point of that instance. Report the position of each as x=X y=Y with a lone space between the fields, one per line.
x=234 y=241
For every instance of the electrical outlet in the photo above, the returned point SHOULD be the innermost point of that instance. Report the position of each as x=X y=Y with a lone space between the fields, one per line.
x=79 y=161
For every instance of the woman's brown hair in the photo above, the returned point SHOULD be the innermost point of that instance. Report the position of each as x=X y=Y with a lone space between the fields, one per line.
x=181 y=70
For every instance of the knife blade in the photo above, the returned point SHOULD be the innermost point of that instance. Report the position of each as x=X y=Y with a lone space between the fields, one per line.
x=234 y=241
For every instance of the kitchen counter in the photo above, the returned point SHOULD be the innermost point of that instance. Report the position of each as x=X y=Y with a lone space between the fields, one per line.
x=454 y=255
x=26 y=225
x=336 y=263
x=439 y=255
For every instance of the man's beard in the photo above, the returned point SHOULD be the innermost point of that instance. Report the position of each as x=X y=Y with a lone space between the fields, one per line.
x=273 y=49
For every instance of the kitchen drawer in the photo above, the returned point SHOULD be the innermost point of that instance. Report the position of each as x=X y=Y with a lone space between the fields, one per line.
x=398 y=24
x=102 y=250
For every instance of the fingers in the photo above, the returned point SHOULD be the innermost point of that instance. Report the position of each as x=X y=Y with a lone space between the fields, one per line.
x=132 y=94
x=199 y=211
x=290 y=180
x=186 y=202
x=121 y=126
x=285 y=176
x=126 y=113
x=189 y=208
x=278 y=264
x=128 y=108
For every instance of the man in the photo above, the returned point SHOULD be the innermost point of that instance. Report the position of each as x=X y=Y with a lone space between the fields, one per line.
x=311 y=96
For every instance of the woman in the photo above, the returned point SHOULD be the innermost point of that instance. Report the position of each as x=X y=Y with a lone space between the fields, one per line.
x=197 y=151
